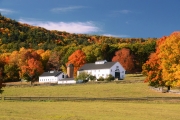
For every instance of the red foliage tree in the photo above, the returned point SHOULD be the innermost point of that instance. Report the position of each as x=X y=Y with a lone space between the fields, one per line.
x=125 y=58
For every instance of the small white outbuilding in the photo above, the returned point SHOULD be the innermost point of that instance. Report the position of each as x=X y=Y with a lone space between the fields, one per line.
x=58 y=76
x=51 y=77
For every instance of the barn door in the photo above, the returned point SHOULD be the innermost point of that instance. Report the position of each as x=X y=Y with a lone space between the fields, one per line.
x=117 y=74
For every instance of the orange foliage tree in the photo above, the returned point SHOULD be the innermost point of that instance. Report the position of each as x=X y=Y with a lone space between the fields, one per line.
x=163 y=67
x=152 y=68
x=125 y=58
x=29 y=64
x=78 y=59
x=170 y=59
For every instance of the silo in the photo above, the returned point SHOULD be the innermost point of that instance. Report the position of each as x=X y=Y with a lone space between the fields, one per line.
x=70 y=71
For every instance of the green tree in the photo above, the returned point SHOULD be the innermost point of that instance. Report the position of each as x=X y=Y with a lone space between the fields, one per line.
x=83 y=76
x=1 y=80
x=90 y=55
x=12 y=72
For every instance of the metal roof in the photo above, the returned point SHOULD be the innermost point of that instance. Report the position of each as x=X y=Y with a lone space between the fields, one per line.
x=93 y=66
x=51 y=73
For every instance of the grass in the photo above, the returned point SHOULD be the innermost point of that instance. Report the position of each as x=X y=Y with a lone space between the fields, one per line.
x=90 y=110
x=87 y=90
x=134 y=77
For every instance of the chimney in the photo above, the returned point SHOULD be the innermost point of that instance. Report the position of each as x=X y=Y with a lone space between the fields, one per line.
x=70 y=71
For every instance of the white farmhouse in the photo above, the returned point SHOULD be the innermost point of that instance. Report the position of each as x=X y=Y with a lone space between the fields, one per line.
x=103 y=69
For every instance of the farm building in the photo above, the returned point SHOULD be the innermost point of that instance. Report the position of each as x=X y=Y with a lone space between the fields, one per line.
x=51 y=77
x=58 y=76
x=103 y=69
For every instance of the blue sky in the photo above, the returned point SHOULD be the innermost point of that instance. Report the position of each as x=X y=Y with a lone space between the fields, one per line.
x=118 y=18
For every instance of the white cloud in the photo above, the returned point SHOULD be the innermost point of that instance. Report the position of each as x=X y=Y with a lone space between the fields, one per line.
x=6 y=11
x=66 y=9
x=121 y=36
x=116 y=13
x=71 y=27
x=124 y=11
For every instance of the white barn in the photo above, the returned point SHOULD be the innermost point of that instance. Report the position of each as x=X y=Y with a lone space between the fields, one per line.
x=51 y=77
x=103 y=69
x=58 y=76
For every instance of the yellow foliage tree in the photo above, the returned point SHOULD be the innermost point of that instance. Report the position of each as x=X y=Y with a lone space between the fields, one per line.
x=170 y=59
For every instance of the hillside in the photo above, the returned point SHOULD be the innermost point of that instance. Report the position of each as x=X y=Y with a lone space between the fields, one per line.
x=36 y=37
x=20 y=43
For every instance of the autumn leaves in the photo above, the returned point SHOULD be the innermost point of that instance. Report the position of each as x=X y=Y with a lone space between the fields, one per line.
x=163 y=66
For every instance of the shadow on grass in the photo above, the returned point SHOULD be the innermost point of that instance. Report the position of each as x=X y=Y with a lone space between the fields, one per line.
x=1 y=91
x=138 y=76
x=135 y=75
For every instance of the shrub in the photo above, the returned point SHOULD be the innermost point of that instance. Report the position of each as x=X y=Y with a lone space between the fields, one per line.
x=109 y=78
x=101 y=78
x=91 y=77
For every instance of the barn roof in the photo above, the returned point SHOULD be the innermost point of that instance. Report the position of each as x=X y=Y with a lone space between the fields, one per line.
x=51 y=73
x=93 y=66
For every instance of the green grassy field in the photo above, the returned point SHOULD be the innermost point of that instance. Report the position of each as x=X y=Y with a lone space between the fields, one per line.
x=90 y=110
x=87 y=90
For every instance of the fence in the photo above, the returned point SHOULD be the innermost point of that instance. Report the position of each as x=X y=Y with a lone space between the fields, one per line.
x=90 y=99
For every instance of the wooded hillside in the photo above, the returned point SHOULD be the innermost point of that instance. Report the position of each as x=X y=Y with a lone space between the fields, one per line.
x=23 y=47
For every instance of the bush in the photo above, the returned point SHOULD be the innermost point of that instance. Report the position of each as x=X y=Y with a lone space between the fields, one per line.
x=91 y=77
x=101 y=78
x=109 y=78
x=82 y=76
